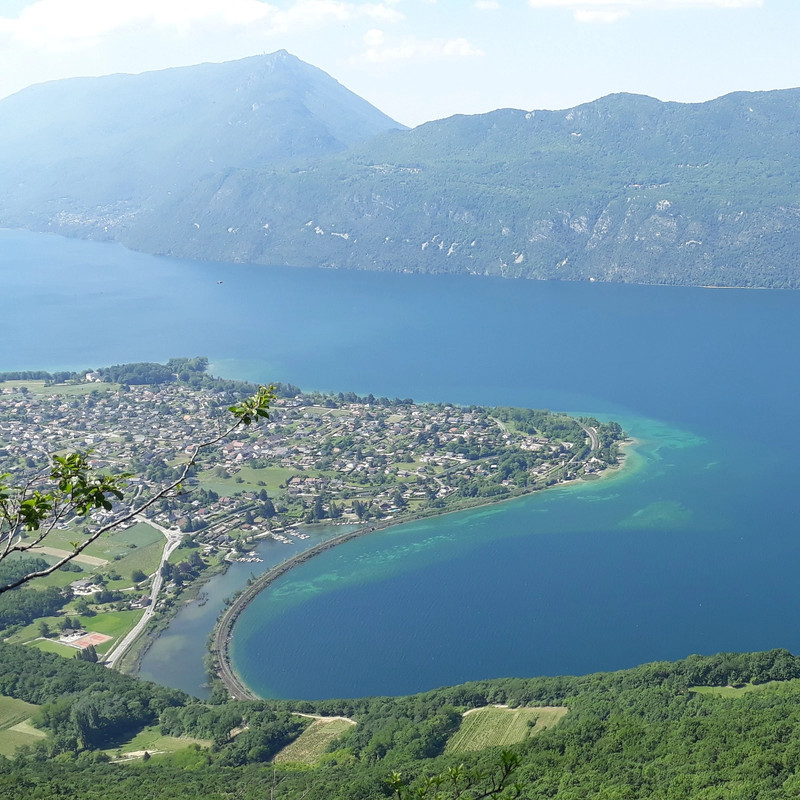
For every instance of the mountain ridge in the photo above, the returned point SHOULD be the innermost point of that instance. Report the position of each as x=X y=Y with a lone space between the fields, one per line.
x=624 y=188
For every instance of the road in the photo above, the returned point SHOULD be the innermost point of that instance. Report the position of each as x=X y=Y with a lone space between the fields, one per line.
x=173 y=540
x=593 y=437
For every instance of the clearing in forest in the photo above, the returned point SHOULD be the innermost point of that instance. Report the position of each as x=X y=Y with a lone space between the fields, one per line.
x=497 y=725
x=15 y=727
x=151 y=740
x=312 y=743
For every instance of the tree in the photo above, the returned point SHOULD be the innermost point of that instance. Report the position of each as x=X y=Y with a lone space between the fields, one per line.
x=70 y=487
x=460 y=783
x=87 y=654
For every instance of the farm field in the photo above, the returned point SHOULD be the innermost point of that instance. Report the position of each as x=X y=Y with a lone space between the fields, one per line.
x=312 y=743
x=15 y=728
x=68 y=390
x=496 y=725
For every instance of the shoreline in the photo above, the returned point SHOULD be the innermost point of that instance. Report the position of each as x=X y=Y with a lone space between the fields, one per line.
x=222 y=633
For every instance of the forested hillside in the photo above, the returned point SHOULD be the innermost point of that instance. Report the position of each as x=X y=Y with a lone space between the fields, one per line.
x=270 y=161
x=622 y=189
x=87 y=155
x=713 y=727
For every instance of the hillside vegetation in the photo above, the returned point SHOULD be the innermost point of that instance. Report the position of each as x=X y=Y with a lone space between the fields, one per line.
x=639 y=733
x=625 y=188
x=269 y=160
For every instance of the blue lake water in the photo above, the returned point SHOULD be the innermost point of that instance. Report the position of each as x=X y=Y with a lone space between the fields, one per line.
x=693 y=548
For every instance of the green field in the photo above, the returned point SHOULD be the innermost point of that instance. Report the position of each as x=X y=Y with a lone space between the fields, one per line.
x=494 y=725
x=68 y=390
x=312 y=743
x=15 y=727
x=111 y=623
x=252 y=480
x=115 y=545
x=48 y=646
x=153 y=741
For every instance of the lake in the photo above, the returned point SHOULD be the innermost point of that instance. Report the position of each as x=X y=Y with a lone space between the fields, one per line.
x=693 y=548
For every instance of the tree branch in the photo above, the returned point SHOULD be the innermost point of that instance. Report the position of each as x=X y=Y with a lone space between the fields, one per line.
x=245 y=413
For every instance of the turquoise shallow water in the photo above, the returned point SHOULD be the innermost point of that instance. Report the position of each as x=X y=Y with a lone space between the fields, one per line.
x=695 y=550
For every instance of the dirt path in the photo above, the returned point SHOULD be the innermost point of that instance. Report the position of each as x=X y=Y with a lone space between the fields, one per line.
x=92 y=561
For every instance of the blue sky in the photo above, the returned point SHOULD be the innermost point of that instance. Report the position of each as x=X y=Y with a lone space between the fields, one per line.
x=424 y=59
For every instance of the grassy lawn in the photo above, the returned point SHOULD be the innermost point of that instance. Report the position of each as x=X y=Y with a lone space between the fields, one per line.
x=111 y=623
x=68 y=390
x=15 y=727
x=28 y=632
x=312 y=743
x=107 y=547
x=492 y=726
x=60 y=578
x=13 y=711
x=272 y=477
x=49 y=646
x=152 y=740
x=145 y=558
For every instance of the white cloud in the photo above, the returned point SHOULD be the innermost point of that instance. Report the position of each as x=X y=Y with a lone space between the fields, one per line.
x=409 y=48
x=647 y=3
x=612 y=10
x=74 y=23
x=599 y=14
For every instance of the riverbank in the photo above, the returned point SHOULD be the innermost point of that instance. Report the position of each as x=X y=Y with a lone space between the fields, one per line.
x=222 y=635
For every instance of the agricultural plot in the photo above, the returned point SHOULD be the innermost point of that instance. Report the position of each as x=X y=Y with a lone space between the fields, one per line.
x=494 y=726
x=312 y=743
x=71 y=390
x=15 y=727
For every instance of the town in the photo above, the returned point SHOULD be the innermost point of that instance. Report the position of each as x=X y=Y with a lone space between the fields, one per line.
x=319 y=458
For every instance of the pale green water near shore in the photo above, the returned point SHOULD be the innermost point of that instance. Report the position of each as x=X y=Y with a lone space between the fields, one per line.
x=695 y=552
x=398 y=565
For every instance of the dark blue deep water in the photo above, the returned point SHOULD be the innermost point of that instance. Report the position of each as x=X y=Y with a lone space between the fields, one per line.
x=694 y=547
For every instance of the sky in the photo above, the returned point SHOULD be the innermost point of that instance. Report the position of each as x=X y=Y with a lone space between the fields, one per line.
x=419 y=60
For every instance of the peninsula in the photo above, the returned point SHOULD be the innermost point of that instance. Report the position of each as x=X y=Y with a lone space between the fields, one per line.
x=363 y=462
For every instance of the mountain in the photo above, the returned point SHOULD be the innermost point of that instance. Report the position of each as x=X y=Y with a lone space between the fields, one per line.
x=270 y=161
x=89 y=153
x=625 y=188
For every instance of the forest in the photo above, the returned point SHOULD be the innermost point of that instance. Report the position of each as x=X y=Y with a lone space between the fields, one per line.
x=721 y=726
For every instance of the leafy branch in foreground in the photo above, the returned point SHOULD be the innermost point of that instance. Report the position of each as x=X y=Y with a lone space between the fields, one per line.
x=70 y=488
x=461 y=783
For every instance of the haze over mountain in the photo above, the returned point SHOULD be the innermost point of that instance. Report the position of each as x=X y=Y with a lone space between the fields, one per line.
x=270 y=161
x=96 y=150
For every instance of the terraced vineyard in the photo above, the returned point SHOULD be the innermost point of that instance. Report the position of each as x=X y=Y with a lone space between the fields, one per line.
x=497 y=725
